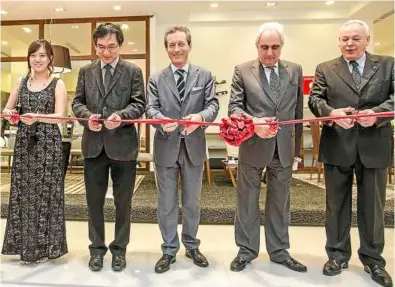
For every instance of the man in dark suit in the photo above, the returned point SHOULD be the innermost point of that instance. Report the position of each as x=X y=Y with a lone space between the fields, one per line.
x=112 y=89
x=264 y=89
x=356 y=81
x=181 y=90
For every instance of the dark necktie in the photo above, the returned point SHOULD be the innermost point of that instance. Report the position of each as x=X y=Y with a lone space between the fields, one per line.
x=274 y=84
x=181 y=83
x=356 y=75
x=107 y=77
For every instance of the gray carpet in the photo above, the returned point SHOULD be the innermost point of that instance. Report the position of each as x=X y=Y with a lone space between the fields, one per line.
x=217 y=203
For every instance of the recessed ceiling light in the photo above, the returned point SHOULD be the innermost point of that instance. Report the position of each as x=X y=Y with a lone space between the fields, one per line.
x=3 y=12
x=130 y=43
x=74 y=26
x=59 y=9
x=116 y=7
x=27 y=29
x=377 y=44
x=4 y=42
x=134 y=50
x=214 y=5
x=124 y=26
x=329 y=2
x=271 y=4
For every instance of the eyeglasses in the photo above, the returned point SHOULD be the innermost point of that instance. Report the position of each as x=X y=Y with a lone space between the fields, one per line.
x=110 y=49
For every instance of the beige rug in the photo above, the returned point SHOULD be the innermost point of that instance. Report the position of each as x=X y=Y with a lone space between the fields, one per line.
x=306 y=178
x=74 y=184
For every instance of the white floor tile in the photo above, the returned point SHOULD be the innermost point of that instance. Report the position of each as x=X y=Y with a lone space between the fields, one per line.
x=307 y=246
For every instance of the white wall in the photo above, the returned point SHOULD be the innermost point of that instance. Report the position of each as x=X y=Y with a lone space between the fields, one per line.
x=220 y=46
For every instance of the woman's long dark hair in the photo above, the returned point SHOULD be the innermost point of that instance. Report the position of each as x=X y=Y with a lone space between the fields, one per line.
x=34 y=47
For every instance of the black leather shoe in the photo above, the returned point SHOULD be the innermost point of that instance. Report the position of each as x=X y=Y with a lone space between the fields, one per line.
x=118 y=262
x=334 y=267
x=238 y=264
x=96 y=262
x=164 y=262
x=379 y=275
x=293 y=264
x=198 y=258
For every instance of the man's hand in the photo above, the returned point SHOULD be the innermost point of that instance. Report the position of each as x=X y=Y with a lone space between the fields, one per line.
x=263 y=131
x=367 y=122
x=93 y=124
x=169 y=127
x=344 y=123
x=191 y=128
x=28 y=118
x=109 y=121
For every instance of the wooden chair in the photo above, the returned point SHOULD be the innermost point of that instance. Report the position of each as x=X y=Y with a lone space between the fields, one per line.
x=315 y=135
x=207 y=167
x=8 y=152
x=391 y=168
x=143 y=156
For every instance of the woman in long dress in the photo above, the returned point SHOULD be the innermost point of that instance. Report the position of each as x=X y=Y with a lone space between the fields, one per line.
x=35 y=227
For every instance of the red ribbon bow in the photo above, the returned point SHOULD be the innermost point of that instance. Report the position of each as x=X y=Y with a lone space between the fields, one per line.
x=15 y=118
x=236 y=129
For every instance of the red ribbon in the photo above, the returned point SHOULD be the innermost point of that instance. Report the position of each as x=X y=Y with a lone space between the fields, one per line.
x=234 y=130
x=15 y=118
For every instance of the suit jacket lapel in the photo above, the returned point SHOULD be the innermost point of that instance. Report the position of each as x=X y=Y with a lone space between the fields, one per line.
x=371 y=67
x=284 y=79
x=344 y=73
x=171 y=82
x=115 y=77
x=193 y=73
x=259 y=73
x=99 y=78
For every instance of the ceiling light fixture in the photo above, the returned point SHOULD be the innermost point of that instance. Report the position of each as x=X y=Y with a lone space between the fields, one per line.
x=329 y=2
x=58 y=9
x=124 y=26
x=4 y=42
x=134 y=50
x=271 y=4
x=130 y=43
x=214 y=5
x=74 y=26
x=27 y=29
x=116 y=7
x=377 y=44
x=3 y=12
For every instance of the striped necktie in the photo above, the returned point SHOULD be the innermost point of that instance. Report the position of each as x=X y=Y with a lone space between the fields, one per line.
x=181 y=83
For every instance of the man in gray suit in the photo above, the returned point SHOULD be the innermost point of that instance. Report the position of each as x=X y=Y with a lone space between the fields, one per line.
x=186 y=91
x=356 y=81
x=265 y=89
x=112 y=89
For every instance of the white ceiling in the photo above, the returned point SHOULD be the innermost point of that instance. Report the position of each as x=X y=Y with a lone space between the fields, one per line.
x=164 y=10
x=183 y=12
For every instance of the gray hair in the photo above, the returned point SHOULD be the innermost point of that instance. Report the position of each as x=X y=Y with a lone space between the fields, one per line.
x=359 y=22
x=271 y=26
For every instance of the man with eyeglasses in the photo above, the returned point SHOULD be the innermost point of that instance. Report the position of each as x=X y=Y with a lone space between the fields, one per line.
x=112 y=89
x=357 y=81
x=181 y=90
x=266 y=89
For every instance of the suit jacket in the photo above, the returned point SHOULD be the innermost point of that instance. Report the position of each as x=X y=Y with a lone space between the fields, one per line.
x=251 y=94
x=164 y=101
x=125 y=97
x=334 y=88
